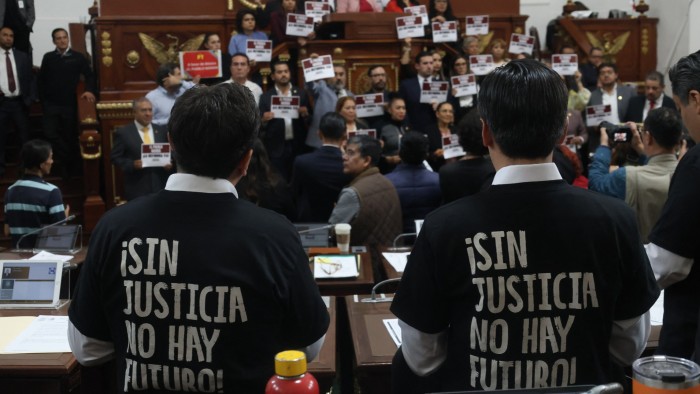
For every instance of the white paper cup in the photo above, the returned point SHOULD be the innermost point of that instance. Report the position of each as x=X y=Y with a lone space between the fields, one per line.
x=342 y=237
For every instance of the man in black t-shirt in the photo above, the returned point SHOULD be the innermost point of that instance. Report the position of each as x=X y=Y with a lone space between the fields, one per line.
x=498 y=293
x=192 y=289
x=674 y=247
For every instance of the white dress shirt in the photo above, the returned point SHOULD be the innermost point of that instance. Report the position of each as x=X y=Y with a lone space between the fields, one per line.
x=611 y=99
x=4 y=81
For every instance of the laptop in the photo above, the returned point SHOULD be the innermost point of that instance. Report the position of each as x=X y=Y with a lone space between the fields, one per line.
x=58 y=238
x=313 y=235
x=30 y=284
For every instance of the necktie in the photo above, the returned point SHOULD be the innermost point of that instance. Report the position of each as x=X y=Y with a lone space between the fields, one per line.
x=10 y=73
x=652 y=103
x=146 y=137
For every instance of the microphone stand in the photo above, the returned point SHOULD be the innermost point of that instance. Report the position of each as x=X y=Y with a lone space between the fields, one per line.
x=395 y=248
x=19 y=241
x=310 y=230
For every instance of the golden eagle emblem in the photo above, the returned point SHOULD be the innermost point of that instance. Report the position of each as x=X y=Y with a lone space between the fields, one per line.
x=484 y=41
x=165 y=55
x=611 y=45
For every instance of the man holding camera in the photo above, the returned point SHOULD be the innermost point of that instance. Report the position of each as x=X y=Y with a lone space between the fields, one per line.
x=644 y=188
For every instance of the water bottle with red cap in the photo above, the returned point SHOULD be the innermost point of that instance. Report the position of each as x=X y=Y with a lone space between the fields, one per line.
x=291 y=376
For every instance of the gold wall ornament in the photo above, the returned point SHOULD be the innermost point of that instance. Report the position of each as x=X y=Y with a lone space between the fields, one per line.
x=518 y=30
x=107 y=61
x=249 y=4
x=230 y=5
x=645 y=41
x=132 y=58
x=88 y=121
x=337 y=51
x=285 y=56
x=106 y=49
x=105 y=35
x=167 y=55
x=611 y=44
x=112 y=105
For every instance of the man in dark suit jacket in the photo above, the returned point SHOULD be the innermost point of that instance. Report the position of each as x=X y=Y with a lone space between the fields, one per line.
x=284 y=138
x=613 y=93
x=19 y=15
x=16 y=91
x=654 y=97
x=420 y=115
x=317 y=177
x=126 y=152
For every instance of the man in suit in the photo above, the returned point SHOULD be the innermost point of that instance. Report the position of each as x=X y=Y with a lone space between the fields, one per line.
x=654 y=97
x=326 y=94
x=16 y=93
x=317 y=177
x=377 y=78
x=420 y=115
x=283 y=137
x=589 y=71
x=19 y=15
x=126 y=152
x=610 y=92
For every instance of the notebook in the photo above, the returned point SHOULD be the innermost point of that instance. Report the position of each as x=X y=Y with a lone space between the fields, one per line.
x=30 y=284
x=57 y=238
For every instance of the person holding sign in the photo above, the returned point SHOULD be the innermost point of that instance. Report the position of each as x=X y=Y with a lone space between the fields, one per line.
x=346 y=108
x=498 y=51
x=441 y=11
x=439 y=130
x=394 y=126
x=497 y=294
x=127 y=152
x=398 y=5
x=212 y=42
x=245 y=27
x=358 y=6
x=193 y=288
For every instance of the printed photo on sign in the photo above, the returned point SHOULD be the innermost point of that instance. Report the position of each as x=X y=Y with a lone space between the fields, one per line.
x=155 y=155
x=521 y=43
x=316 y=10
x=318 y=68
x=285 y=107
x=477 y=25
x=481 y=64
x=368 y=132
x=418 y=10
x=299 y=25
x=451 y=147
x=204 y=64
x=445 y=32
x=596 y=114
x=565 y=64
x=434 y=92
x=464 y=85
x=409 y=26
x=259 y=50
x=368 y=105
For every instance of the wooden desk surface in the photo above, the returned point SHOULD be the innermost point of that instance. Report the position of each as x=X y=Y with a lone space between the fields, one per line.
x=78 y=258
x=374 y=348
x=347 y=286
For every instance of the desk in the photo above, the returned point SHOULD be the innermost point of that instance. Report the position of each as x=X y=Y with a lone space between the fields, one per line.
x=323 y=367
x=41 y=372
x=374 y=348
x=347 y=286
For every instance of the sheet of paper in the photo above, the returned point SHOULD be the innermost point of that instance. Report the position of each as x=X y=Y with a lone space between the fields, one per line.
x=368 y=105
x=477 y=25
x=392 y=325
x=335 y=266
x=565 y=64
x=451 y=147
x=464 y=85
x=155 y=155
x=409 y=26
x=299 y=25
x=318 y=68
x=285 y=107
x=657 y=311
x=434 y=92
x=521 y=43
x=259 y=50
x=445 y=32
x=481 y=64
x=596 y=114
x=46 y=334
x=11 y=327
x=397 y=260
x=44 y=256
x=418 y=10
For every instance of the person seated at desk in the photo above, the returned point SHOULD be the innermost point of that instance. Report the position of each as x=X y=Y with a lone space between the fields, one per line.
x=31 y=202
x=497 y=293
x=370 y=203
x=359 y=6
x=193 y=288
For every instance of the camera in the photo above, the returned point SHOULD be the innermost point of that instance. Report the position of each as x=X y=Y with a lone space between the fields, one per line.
x=617 y=133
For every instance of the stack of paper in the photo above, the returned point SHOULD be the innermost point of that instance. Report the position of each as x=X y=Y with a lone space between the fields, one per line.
x=397 y=260
x=392 y=325
x=336 y=266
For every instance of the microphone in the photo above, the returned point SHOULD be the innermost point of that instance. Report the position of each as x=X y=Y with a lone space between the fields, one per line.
x=312 y=229
x=19 y=241
x=395 y=248
x=373 y=296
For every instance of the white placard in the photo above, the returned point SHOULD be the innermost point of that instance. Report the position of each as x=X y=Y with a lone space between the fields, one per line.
x=368 y=132
x=155 y=155
x=451 y=147
x=521 y=43
x=481 y=64
x=392 y=326
x=368 y=105
x=317 y=9
x=409 y=26
x=596 y=114
x=477 y=25
x=464 y=85
x=318 y=68
x=299 y=25
x=418 y=10
x=285 y=107
x=445 y=32
x=565 y=64
x=336 y=266
x=259 y=50
x=434 y=92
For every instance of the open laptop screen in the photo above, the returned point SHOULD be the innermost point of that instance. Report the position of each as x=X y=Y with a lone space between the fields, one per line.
x=57 y=238
x=29 y=283
x=313 y=234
